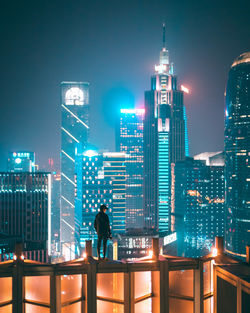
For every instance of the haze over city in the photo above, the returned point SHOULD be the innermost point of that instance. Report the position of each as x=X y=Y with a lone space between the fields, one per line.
x=114 y=46
x=125 y=156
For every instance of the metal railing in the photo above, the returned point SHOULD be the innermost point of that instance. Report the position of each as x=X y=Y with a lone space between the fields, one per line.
x=157 y=284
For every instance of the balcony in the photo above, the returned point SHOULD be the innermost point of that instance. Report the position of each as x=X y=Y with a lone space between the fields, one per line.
x=156 y=284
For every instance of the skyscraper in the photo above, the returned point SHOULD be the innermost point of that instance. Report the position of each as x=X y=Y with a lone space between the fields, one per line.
x=164 y=141
x=93 y=189
x=129 y=140
x=237 y=149
x=198 y=202
x=25 y=212
x=114 y=166
x=74 y=130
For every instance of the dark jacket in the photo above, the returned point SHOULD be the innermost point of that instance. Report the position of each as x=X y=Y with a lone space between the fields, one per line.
x=101 y=225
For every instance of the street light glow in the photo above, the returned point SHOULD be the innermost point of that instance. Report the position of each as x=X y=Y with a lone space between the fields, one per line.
x=214 y=252
x=150 y=253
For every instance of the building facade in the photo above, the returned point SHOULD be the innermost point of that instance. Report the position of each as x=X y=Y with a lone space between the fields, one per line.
x=114 y=169
x=25 y=212
x=55 y=214
x=100 y=179
x=129 y=139
x=198 y=203
x=74 y=131
x=92 y=190
x=165 y=140
x=237 y=149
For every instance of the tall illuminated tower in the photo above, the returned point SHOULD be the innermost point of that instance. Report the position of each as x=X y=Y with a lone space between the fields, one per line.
x=164 y=141
x=130 y=141
x=237 y=149
x=74 y=131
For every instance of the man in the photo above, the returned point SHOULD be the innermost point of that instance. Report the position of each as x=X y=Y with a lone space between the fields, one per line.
x=102 y=228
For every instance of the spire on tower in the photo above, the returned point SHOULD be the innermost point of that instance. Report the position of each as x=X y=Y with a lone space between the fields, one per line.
x=164 y=65
x=164 y=35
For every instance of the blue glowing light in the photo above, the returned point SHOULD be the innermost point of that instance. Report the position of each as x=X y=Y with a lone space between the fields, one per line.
x=226 y=113
x=90 y=153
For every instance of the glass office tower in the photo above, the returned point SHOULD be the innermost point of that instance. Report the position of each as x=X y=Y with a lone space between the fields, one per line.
x=100 y=179
x=237 y=149
x=93 y=189
x=74 y=131
x=198 y=203
x=164 y=141
x=25 y=214
x=130 y=141
x=114 y=165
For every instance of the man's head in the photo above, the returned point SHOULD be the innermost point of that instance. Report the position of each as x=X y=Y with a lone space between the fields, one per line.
x=103 y=208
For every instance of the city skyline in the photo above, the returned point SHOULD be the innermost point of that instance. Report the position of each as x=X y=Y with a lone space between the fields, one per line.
x=39 y=67
x=125 y=156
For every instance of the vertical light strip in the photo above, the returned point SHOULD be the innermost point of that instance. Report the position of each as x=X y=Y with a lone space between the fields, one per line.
x=163 y=180
x=49 y=214
x=186 y=132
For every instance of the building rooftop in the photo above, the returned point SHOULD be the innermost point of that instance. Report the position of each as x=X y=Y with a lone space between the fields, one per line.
x=243 y=58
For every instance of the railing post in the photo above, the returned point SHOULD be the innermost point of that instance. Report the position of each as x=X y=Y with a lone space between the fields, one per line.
x=55 y=293
x=248 y=254
x=84 y=294
x=239 y=296
x=215 y=288
x=155 y=248
x=18 y=250
x=17 y=286
x=91 y=288
x=88 y=248
x=115 y=249
x=198 y=288
x=155 y=280
x=129 y=292
x=164 y=287
x=219 y=244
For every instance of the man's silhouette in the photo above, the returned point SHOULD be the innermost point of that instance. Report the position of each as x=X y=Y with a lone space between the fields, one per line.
x=102 y=228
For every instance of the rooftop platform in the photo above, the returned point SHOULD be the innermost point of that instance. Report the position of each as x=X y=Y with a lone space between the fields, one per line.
x=157 y=284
